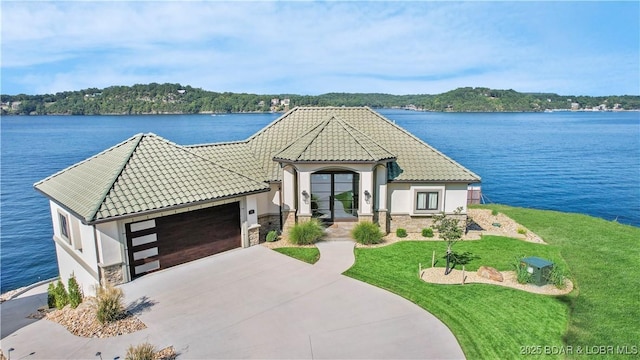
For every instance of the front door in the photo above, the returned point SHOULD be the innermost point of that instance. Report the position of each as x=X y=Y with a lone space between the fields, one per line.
x=334 y=196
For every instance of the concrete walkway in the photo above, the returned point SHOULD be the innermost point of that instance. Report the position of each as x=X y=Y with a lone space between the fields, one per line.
x=248 y=303
x=335 y=256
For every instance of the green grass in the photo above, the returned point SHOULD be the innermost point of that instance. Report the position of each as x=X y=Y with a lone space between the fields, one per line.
x=308 y=255
x=604 y=259
x=492 y=322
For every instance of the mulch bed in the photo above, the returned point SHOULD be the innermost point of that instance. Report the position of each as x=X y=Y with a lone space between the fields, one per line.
x=82 y=321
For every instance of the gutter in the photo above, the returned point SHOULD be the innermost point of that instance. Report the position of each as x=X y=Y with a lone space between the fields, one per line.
x=147 y=212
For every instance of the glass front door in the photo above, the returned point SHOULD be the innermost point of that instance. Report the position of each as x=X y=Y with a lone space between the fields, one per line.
x=334 y=196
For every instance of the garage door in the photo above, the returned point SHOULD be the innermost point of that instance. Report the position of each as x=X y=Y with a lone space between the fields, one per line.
x=176 y=239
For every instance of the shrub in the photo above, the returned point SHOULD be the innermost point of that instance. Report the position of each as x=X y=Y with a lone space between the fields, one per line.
x=522 y=231
x=109 y=306
x=522 y=275
x=60 y=296
x=144 y=351
x=306 y=233
x=427 y=232
x=401 y=233
x=367 y=233
x=272 y=236
x=75 y=294
x=556 y=277
x=494 y=212
x=51 y=296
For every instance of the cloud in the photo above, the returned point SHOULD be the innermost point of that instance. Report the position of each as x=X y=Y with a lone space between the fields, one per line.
x=310 y=47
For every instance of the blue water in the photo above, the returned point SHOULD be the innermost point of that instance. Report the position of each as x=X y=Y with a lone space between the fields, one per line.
x=576 y=162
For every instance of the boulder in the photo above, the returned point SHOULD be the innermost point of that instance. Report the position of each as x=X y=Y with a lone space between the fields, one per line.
x=490 y=273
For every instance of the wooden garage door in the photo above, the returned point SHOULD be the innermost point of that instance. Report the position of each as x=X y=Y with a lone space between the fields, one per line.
x=176 y=239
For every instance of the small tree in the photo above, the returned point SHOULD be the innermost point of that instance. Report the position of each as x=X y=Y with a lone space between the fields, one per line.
x=75 y=294
x=61 y=298
x=450 y=231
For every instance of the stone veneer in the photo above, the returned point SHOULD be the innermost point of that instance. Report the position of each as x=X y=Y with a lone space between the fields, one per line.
x=288 y=220
x=382 y=219
x=267 y=223
x=415 y=224
x=111 y=274
x=254 y=235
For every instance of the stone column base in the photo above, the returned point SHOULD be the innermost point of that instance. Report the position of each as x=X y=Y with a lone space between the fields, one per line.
x=254 y=234
x=383 y=220
x=288 y=220
x=111 y=274
x=365 y=217
x=303 y=218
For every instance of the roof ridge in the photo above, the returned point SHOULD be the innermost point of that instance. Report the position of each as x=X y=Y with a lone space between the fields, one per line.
x=189 y=151
x=87 y=159
x=425 y=144
x=349 y=128
x=220 y=143
x=321 y=125
x=109 y=188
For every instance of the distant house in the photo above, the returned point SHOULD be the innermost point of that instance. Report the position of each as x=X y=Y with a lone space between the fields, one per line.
x=148 y=204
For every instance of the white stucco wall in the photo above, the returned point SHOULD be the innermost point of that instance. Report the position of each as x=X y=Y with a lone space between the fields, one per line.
x=456 y=196
x=76 y=255
x=252 y=210
x=401 y=196
x=269 y=203
x=110 y=243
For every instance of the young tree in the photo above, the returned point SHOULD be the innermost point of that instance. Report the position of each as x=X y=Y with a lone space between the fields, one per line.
x=451 y=231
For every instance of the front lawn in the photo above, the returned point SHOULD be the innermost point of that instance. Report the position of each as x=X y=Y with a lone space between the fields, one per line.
x=309 y=255
x=496 y=322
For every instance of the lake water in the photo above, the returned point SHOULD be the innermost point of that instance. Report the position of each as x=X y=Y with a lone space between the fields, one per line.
x=576 y=162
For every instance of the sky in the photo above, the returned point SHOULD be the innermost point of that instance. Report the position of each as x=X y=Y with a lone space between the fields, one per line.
x=311 y=48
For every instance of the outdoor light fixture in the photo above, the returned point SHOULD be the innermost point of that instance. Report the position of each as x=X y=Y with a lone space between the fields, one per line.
x=99 y=354
x=9 y=352
x=367 y=195
x=305 y=194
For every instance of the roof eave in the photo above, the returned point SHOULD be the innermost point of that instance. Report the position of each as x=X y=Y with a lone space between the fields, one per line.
x=175 y=207
x=51 y=198
x=289 y=161
x=459 y=181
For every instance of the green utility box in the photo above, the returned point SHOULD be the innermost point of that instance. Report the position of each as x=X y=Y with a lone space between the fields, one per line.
x=539 y=269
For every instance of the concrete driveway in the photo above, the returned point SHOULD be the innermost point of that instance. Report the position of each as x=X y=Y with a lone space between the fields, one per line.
x=254 y=303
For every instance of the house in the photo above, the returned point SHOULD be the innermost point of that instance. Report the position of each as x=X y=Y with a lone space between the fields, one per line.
x=147 y=203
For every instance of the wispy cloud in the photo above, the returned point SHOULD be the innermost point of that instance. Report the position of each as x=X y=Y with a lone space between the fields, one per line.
x=317 y=47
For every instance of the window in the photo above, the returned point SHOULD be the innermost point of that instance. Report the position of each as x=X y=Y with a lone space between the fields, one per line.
x=64 y=226
x=427 y=201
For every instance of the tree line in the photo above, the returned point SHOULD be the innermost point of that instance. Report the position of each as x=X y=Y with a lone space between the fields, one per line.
x=178 y=99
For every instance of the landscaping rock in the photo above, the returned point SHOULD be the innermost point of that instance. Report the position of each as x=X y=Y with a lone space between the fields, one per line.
x=490 y=273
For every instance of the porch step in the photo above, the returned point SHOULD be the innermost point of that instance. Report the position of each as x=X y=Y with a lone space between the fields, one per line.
x=339 y=231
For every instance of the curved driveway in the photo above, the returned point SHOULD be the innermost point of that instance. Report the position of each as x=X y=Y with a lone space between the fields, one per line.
x=256 y=303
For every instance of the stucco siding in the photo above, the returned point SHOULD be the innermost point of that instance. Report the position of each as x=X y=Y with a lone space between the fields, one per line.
x=456 y=196
x=75 y=251
x=269 y=203
x=68 y=265
x=111 y=247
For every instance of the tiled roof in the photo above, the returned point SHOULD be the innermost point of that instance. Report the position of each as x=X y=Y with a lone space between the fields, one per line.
x=143 y=173
x=333 y=140
x=232 y=155
x=415 y=160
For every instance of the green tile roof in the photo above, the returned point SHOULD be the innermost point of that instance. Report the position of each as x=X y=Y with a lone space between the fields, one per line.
x=415 y=160
x=144 y=173
x=148 y=173
x=333 y=140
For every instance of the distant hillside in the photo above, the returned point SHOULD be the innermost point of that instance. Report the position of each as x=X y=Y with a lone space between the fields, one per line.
x=178 y=99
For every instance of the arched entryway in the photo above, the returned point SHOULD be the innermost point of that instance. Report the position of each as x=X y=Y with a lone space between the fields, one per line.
x=334 y=195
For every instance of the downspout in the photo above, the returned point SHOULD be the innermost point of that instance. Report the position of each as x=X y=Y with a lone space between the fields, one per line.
x=98 y=253
x=280 y=205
